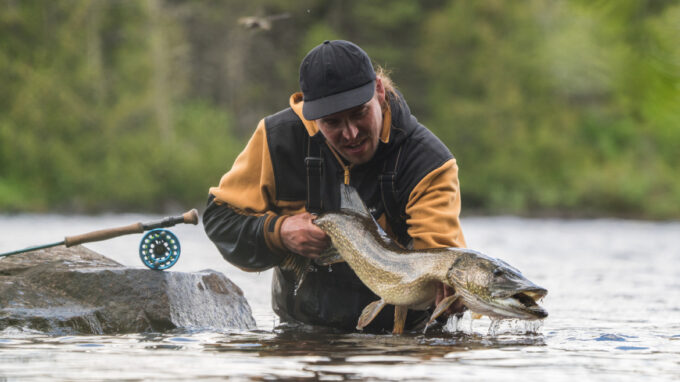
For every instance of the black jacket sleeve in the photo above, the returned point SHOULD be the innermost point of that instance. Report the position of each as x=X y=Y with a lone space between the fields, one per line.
x=239 y=237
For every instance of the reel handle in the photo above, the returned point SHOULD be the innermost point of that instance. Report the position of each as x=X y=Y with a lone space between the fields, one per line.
x=189 y=217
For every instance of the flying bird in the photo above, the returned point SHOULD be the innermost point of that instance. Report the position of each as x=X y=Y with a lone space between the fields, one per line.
x=261 y=22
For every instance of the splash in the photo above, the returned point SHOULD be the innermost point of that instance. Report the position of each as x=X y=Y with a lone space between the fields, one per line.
x=494 y=327
x=452 y=324
x=456 y=323
x=470 y=324
x=504 y=326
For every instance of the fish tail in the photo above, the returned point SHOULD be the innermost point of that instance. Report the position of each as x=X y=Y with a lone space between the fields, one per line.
x=328 y=257
x=297 y=264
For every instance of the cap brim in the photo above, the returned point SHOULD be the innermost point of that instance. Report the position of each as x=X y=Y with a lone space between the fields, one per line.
x=332 y=104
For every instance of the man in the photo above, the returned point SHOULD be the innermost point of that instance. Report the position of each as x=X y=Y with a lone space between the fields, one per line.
x=348 y=125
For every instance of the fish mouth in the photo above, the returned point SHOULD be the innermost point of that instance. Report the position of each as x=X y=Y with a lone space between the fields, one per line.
x=526 y=303
x=522 y=304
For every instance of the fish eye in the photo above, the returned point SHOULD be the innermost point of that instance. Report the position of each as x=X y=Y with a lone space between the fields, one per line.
x=498 y=272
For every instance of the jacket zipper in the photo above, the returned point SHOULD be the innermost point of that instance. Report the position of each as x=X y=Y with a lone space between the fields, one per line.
x=345 y=168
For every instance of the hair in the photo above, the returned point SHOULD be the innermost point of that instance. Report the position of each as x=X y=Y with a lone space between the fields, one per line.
x=388 y=84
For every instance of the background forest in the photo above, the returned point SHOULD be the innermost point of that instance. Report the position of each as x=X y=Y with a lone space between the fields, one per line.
x=568 y=108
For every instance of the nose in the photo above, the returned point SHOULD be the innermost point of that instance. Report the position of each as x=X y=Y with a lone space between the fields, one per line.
x=350 y=132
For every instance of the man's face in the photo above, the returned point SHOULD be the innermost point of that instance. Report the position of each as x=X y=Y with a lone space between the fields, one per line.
x=354 y=132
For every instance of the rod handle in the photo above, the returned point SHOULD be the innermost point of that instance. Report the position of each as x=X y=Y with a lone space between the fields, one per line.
x=103 y=234
x=189 y=217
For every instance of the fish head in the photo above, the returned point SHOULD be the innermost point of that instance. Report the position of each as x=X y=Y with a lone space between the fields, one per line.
x=341 y=226
x=352 y=218
x=494 y=288
x=331 y=222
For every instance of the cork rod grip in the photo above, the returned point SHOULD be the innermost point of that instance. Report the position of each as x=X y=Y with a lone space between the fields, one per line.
x=103 y=234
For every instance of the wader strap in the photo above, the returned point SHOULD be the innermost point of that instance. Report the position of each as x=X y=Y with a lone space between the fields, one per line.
x=388 y=193
x=314 y=165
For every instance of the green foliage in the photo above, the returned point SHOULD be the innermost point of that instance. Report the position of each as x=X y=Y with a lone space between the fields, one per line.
x=550 y=107
x=556 y=107
x=202 y=150
x=87 y=124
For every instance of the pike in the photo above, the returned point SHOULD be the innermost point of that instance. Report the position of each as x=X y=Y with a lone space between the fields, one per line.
x=408 y=278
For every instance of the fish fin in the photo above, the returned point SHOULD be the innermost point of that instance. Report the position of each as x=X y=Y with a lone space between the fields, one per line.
x=328 y=257
x=369 y=313
x=441 y=307
x=399 y=319
x=350 y=201
x=297 y=264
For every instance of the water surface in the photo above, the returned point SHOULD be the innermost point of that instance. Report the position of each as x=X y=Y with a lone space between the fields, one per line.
x=614 y=306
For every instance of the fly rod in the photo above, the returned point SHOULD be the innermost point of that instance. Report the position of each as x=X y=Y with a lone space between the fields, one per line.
x=189 y=217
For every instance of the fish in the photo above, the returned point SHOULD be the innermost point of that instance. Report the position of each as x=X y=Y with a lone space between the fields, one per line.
x=408 y=278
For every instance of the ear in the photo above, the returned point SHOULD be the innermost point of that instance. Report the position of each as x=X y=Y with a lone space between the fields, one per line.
x=379 y=90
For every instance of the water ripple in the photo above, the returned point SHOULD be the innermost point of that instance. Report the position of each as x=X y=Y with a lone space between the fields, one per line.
x=614 y=316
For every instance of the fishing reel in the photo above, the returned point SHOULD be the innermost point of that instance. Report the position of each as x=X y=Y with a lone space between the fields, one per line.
x=159 y=249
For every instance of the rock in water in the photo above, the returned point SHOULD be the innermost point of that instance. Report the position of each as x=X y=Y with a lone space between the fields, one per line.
x=67 y=291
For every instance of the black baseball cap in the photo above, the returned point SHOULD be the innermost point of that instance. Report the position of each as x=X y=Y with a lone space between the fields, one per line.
x=335 y=76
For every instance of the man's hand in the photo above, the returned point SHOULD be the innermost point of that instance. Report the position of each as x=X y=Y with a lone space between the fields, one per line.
x=301 y=236
x=444 y=291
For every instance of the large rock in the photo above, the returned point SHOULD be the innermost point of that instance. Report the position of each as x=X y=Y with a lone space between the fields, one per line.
x=77 y=291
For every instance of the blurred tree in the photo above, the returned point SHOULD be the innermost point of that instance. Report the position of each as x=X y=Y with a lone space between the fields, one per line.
x=558 y=107
x=536 y=100
x=87 y=119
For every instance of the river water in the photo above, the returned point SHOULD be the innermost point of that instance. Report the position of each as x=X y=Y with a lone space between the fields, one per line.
x=614 y=303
